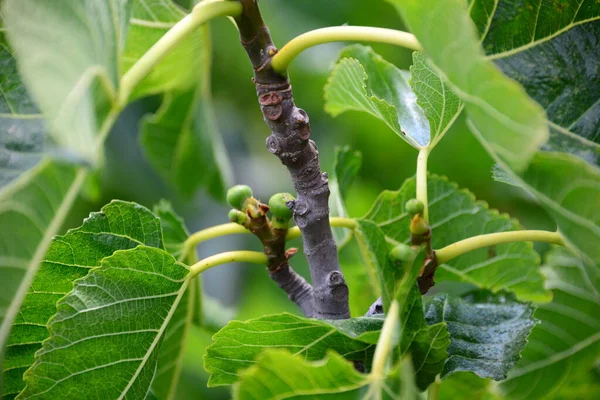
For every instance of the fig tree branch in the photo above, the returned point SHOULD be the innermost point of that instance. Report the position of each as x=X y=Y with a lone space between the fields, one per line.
x=290 y=142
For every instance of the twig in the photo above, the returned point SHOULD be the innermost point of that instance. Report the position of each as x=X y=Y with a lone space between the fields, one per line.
x=289 y=140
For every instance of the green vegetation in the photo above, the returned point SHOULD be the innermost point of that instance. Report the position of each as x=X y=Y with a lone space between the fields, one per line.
x=404 y=286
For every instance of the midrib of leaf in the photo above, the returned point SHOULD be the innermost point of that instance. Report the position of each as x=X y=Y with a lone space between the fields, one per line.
x=556 y=357
x=178 y=364
x=566 y=341
x=490 y=16
x=552 y=205
x=237 y=345
x=78 y=91
x=51 y=230
x=164 y=3
x=118 y=261
x=584 y=113
x=157 y=339
x=156 y=22
x=420 y=63
x=569 y=133
x=138 y=226
x=534 y=43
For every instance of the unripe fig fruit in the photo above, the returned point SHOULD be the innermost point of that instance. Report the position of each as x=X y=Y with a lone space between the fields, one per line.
x=414 y=206
x=278 y=206
x=402 y=254
x=237 y=195
x=237 y=216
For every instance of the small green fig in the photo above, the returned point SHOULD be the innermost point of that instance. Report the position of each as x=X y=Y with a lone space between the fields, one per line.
x=237 y=216
x=278 y=206
x=237 y=195
x=414 y=206
x=418 y=226
x=402 y=254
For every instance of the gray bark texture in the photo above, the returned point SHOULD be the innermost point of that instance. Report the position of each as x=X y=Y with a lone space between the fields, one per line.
x=298 y=290
x=289 y=140
x=273 y=241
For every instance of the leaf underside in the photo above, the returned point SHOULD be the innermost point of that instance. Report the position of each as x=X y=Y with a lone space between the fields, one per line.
x=567 y=340
x=110 y=326
x=120 y=225
x=487 y=331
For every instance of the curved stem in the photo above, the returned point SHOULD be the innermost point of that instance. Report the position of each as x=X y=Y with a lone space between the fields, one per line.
x=213 y=232
x=287 y=53
x=385 y=342
x=422 y=181
x=203 y=12
x=231 y=229
x=253 y=257
x=464 y=246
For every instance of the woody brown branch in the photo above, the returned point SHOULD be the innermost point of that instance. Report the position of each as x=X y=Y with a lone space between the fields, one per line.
x=290 y=142
x=273 y=242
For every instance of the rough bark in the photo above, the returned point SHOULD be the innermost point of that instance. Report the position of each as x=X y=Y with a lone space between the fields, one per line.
x=298 y=290
x=376 y=308
x=289 y=140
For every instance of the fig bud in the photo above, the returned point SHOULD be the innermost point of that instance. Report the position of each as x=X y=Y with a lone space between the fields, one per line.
x=237 y=216
x=237 y=195
x=402 y=254
x=414 y=206
x=278 y=206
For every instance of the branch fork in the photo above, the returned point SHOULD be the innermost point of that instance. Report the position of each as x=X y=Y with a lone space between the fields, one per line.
x=290 y=142
x=273 y=240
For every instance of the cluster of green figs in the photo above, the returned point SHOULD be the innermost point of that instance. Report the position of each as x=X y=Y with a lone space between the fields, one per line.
x=245 y=205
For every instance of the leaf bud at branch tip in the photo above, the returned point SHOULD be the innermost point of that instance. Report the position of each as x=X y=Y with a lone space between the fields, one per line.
x=414 y=206
x=237 y=217
x=289 y=253
x=418 y=226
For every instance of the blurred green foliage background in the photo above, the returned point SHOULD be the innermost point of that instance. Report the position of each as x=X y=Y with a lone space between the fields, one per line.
x=387 y=160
